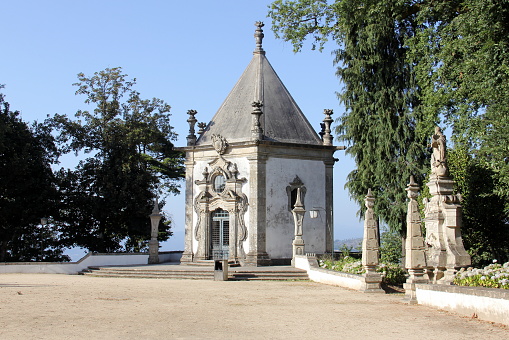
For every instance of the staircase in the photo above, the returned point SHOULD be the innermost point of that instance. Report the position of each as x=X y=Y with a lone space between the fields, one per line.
x=199 y=272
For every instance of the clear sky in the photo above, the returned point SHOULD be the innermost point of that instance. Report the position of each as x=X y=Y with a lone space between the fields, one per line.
x=188 y=53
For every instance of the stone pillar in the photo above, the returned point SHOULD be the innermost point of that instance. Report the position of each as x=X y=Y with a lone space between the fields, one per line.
x=203 y=252
x=257 y=233
x=191 y=138
x=188 y=255
x=370 y=248
x=415 y=257
x=153 y=245
x=256 y=129
x=327 y=137
x=298 y=218
x=443 y=219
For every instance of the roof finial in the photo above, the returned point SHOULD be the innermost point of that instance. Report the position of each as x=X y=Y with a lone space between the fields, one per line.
x=259 y=37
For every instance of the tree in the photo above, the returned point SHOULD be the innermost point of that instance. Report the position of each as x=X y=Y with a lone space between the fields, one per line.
x=405 y=65
x=382 y=121
x=465 y=75
x=27 y=190
x=485 y=231
x=128 y=140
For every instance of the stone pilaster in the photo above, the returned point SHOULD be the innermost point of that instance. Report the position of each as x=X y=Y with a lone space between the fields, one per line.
x=329 y=204
x=257 y=233
x=187 y=256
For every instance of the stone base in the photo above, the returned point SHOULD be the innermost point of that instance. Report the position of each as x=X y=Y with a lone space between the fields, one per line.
x=410 y=295
x=257 y=260
x=153 y=259
x=409 y=286
x=372 y=283
x=186 y=257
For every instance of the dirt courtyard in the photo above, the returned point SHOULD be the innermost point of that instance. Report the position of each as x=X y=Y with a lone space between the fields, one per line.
x=46 y=306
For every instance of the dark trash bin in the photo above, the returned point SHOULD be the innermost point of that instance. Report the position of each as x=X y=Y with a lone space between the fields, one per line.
x=220 y=265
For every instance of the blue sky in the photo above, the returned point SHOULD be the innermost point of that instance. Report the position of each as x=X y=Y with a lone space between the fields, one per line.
x=188 y=53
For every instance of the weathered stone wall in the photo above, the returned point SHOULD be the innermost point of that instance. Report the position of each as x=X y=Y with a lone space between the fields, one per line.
x=280 y=224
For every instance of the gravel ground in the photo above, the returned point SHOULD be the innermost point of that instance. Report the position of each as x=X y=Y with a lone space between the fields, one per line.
x=46 y=306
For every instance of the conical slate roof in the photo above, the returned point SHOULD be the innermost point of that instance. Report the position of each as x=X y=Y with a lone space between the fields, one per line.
x=281 y=121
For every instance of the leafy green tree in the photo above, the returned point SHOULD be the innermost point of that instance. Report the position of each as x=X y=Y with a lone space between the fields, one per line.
x=128 y=140
x=382 y=122
x=462 y=52
x=485 y=231
x=27 y=190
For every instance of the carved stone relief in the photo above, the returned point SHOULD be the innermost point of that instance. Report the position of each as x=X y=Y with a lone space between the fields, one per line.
x=225 y=193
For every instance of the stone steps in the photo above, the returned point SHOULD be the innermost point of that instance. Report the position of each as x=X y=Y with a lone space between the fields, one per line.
x=202 y=273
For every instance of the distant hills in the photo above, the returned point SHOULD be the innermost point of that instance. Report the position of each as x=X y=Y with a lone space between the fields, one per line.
x=354 y=243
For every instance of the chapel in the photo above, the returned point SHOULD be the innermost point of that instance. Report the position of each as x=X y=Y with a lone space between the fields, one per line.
x=250 y=167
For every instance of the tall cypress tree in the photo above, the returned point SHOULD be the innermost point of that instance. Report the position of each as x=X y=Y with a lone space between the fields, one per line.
x=381 y=119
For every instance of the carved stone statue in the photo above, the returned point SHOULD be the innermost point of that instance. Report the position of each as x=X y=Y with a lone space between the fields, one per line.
x=439 y=158
x=443 y=219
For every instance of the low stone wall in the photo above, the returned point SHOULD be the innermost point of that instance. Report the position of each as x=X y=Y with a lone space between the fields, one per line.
x=91 y=259
x=327 y=276
x=488 y=304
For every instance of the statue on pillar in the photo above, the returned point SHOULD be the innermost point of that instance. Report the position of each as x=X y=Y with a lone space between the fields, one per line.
x=443 y=219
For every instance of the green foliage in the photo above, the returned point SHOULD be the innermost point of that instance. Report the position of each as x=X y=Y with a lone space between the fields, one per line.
x=491 y=276
x=485 y=230
x=27 y=190
x=462 y=53
x=390 y=246
x=109 y=195
x=405 y=65
x=380 y=94
x=346 y=264
x=391 y=273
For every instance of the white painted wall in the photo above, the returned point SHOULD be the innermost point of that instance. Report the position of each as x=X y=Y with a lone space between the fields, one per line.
x=280 y=225
x=483 y=306
x=89 y=260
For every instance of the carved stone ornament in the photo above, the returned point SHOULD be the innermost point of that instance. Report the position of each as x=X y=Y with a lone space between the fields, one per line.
x=220 y=144
x=230 y=198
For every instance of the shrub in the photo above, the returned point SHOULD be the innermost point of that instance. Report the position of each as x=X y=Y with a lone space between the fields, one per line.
x=391 y=273
x=492 y=276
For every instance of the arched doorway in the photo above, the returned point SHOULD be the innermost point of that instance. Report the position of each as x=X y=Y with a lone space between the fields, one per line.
x=220 y=233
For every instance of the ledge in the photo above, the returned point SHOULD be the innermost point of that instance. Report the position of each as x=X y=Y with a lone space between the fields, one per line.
x=490 y=304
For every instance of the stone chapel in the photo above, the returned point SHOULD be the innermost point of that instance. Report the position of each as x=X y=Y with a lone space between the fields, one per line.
x=248 y=168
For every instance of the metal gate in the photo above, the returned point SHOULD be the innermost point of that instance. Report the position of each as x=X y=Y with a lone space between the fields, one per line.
x=220 y=233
